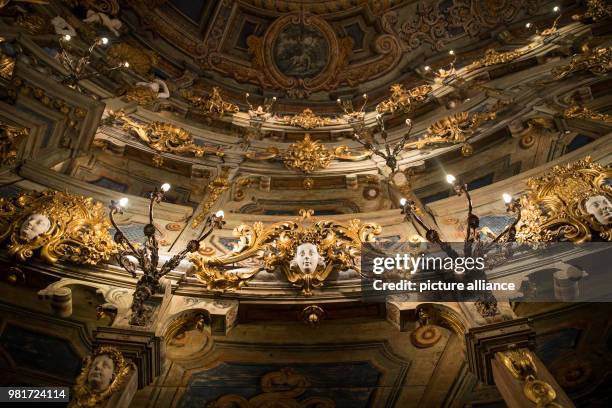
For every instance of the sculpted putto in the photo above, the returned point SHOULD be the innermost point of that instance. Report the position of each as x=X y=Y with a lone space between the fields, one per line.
x=34 y=226
x=102 y=374
x=600 y=207
x=307 y=258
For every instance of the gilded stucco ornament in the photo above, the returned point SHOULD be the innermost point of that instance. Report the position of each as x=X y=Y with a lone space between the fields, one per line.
x=569 y=203
x=493 y=57
x=306 y=119
x=212 y=104
x=308 y=155
x=57 y=226
x=7 y=63
x=403 y=100
x=521 y=364
x=596 y=10
x=454 y=129
x=103 y=373
x=11 y=138
x=140 y=60
x=306 y=251
x=162 y=137
x=582 y=112
x=597 y=61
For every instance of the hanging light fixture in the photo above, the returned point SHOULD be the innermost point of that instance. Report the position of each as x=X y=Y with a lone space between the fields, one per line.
x=147 y=254
x=79 y=67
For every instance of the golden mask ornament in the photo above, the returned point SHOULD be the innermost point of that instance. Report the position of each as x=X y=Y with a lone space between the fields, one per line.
x=403 y=100
x=60 y=226
x=110 y=370
x=309 y=155
x=307 y=119
x=454 y=129
x=11 y=138
x=569 y=203
x=212 y=104
x=163 y=137
x=305 y=251
x=597 y=61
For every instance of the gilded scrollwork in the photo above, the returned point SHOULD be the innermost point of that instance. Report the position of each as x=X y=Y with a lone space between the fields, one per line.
x=597 y=61
x=403 y=100
x=163 y=137
x=569 y=203
x=454 y=129
x=493 y=57
x=306 y=119
x=57 y=226
x=11 y=138
x=329 y=246
x=215 y=188
x=140 y=60
x=582 y=112
x=212 y=104
x=103 y=373
x=308 y=155
x=596 y=10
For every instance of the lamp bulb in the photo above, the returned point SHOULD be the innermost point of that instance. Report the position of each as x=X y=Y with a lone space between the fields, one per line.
x=123 y=202
x=451 y=52
x=408 y=122
x=427 y=68
x=126 y=64
x=220 y=214
x=165 y=187
x=507 y=198
x=365 y=96
x=403 y=201
x=556 y=9
x=67 y=37
x=450 y=179
x=528 y=25
x=338 y=100
x=104 y=40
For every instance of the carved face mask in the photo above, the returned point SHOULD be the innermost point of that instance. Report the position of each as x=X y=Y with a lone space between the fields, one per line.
x=600 y=207
x=101 y=373
x=34 y=226
x=307 y=257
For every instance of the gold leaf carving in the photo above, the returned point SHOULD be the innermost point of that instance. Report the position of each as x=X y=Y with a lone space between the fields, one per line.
x=457 y=128
x=212 y=104
x=57 y=225
x=555 y=207
x=597 y=61
x=307 y=155
x=307 y=119
x=403 y=100
x=338 y=245
x=582 y=112
x=11 y=138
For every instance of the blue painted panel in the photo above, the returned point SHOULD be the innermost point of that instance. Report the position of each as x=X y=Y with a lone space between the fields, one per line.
x=551 y=346
x=347 y=384
x=40 y=352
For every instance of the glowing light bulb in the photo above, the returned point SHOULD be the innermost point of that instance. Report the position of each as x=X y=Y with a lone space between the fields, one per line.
x=338 y=100
x=426 y=67
x=274 y=98
x=403 y=201
x=165 y=187
x=450 y=179
x=123 y=201
x=556 y=9
x=104 y=40
x=365 y=96
x=408 y=122
x=247 y=94
x=126 y=64
x=528 y=25
x=507 y=198
x=452 y=52
x=67 y=37
x=220 y=214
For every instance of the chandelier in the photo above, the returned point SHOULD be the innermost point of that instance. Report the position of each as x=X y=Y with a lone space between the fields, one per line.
x=79 y=66
x=473 y=245
x=147 y=254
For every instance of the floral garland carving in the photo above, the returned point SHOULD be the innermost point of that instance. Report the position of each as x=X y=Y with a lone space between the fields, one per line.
x=212 y=104
x=582 y=112
x=454 y=129
x=307 y=119
x=597 y=61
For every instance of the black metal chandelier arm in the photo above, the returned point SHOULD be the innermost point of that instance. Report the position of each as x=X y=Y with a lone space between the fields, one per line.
x=120 y=236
